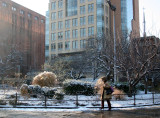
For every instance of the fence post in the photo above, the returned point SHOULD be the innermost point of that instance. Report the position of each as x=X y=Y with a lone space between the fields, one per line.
x=153 y=96
x=16 y=100
x=45 y=101
x=76 y=100
x=134 y=99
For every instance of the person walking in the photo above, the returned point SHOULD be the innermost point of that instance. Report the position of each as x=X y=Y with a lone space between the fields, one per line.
x=106 y=92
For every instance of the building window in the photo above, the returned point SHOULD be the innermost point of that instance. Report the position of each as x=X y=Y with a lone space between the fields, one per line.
x=60 y=46
x=67 y=45
x=82 y=10
x=107 y=21
x=29 y=15
x=67 y=24
x=67 y=34
x=90 y=8
x=53 y=26
x=42 y=21
x=14 y=9
x=53 y=36
x=91 y=19
x=22 y=12
x=82 y=44
x=36 y=18
x=82 y=1
x=60 y=4
x=60 y=35
x=74 y=22
x=83 y=21
x=53 y=47
x=53 y=5
x=53 y=15
x=60 y=25
x=74 y=33
x=75 y=44
x=90 y=31
x=60 y=14
x=90 y=42
x=83 y=32
x=71 y=7
x=4 y=4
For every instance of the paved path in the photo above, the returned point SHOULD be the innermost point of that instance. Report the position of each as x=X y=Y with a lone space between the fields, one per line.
x=137 y=113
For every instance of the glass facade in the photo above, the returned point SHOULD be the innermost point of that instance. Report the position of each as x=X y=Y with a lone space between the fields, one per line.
x=71 y=7
x=100 y=17
x=126 y=16
x=47 y=37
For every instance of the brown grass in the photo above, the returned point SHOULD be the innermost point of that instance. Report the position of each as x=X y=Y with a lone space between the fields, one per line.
x=118 y=94
x=24 y=90
x=48 y=79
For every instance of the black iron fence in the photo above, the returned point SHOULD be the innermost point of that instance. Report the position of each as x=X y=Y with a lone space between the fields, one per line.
x=76 y=101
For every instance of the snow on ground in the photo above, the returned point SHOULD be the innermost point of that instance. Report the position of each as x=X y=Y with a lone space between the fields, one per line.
x=84 y=102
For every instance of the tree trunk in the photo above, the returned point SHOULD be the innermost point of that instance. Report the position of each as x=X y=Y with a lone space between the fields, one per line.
x=146 y=85
x=130 y=90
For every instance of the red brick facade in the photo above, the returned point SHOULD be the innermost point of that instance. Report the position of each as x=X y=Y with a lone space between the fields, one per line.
x=23 y=30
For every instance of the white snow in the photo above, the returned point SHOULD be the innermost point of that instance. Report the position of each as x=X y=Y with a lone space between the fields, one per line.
x=84 y=102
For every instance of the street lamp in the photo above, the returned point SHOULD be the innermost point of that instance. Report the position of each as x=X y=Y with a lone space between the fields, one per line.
x=113 y=8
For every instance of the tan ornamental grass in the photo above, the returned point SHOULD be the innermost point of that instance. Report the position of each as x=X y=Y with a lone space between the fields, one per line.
x=118 y=94
x=24 y=90
x=48 y=79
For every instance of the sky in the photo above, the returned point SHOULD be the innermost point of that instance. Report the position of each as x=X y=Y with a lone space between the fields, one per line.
x=151 y=9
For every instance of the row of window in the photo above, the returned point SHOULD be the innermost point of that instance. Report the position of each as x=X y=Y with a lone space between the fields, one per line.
x=82 y=11
x=74 y=23
x=74 y=33
x=75 y=45
x=60 y=4
x=22 y=12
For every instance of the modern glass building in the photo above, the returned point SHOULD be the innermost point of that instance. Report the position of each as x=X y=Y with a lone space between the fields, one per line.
x=47 y=37
x=126 y=17
x=71 y=22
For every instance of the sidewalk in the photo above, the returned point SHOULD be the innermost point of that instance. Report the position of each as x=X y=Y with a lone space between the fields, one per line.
x=119 y=113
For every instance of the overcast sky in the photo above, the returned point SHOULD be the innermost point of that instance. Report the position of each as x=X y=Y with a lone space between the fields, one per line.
x=152 y=13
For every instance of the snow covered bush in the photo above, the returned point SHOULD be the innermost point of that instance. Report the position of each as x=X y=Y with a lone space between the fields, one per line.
x=36 y=90
x=74 y=87
x=3 y=102
x=48 y=79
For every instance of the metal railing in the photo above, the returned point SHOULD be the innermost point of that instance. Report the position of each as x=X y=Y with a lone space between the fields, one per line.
x=136 y=100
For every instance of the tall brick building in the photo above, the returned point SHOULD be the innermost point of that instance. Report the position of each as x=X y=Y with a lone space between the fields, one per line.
x=22 y=30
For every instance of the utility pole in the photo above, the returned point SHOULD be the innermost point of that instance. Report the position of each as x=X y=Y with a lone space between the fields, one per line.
x=113 y=8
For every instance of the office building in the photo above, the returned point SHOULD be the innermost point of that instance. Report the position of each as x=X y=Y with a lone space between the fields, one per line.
x=72 y=22
x=22 y=30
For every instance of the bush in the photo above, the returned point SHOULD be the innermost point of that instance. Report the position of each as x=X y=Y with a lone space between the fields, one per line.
x=59 y=96
x=74 y=87
x=2 y=102
x=12 y=102
x=48 y=79
x=125 y=87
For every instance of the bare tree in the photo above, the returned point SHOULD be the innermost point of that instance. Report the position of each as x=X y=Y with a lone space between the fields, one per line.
x=137 y=58
x=100 y=52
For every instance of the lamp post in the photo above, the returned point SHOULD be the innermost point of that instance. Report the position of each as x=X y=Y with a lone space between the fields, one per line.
x=113 y=8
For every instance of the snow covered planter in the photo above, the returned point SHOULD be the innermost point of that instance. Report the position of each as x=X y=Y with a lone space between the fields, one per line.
x=73 y=87
x=48 y=79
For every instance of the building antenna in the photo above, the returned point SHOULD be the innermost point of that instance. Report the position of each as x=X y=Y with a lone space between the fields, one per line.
x=144 y=21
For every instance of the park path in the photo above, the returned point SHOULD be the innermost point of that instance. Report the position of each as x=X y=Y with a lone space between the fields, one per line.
x=134 y=113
